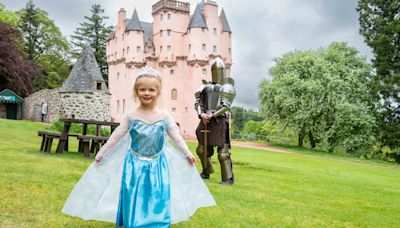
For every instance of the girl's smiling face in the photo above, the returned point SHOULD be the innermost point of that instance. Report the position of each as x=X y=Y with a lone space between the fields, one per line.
x=147 y=91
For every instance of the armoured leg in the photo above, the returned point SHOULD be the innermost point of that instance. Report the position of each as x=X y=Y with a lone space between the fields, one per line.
x=210 y=151
x=225 y=161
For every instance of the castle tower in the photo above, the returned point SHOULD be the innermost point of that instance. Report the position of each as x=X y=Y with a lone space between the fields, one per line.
x=179 y=45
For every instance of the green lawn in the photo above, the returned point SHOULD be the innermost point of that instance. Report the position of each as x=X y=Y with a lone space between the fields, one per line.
x=271 y=189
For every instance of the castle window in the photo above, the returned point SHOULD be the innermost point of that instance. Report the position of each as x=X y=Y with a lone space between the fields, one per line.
x=173 y=110
x=186 y=109
x=205 y=72
x=190 y=48
x=174 y=94
x=169 y=49
x=127 y=50
x=117 y=107
x=169 y=32
x=160 y=49
x=203 y=29
x=214 y=48
x=138 y=49
x=160 y=33
x=149 y=49
x=161 y=17
x=169 y=16
x=189 y=31
x=203 y=47
x=123 y=36
x=117 y=76
x=215 y=31
x=230 y=51
x=171 y=72
x=98 y=85
x=123 y=106
x=115 y=55
x=123 y=52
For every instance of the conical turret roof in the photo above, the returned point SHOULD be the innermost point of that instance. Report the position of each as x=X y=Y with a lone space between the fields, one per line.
x=84 y=73
x=198 y=20
x=134 y=22
x=224 y=20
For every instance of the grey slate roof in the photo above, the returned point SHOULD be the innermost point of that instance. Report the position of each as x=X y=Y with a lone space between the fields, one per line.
x=148 y=31
x=84 y=73
x=134 y=23
x=198 y=20
x=224 y=20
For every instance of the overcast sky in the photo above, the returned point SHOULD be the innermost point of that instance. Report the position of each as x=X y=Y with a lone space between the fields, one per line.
x=262 y=29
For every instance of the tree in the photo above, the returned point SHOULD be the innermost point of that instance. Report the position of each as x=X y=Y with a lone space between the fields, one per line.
x=94 y=31
x=380 y=26
x=325 y=95
x=15 y=72
x=45 y=45
x=8 y=17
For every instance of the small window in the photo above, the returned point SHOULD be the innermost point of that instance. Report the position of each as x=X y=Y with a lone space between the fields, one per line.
x=214 y=48
x=215 y=31
x=123 y=36
x=186 y=109
x=204 y=72
x=173 y=110
x=161 y=17
x=138 y=49
x=169 y=16
x=169 y=48
x=123 y=52
x=203 y=29
x=115 y=54
x=117 y=76
x=203 y=47
x=160 y=49
x=98 y=86
x=171 y=72
x=161 y=33
x=174 y=94
x=230 y=51
x=123 y=106
x=149 y=49
x=189 y=31
x=117 y=106
x=127 y=50
x=169 y=32
x=190 y=48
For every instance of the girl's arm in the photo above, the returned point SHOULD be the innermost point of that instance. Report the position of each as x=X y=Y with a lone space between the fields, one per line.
x=119 y=132
x=173 y=133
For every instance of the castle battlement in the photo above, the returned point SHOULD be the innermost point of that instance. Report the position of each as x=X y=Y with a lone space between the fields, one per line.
x=174 y=6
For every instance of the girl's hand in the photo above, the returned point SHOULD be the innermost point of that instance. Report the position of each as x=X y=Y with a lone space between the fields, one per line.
x=97 y=161
x=191 y=159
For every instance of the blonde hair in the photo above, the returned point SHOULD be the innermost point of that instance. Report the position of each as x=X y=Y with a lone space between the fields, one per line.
x=136 y=85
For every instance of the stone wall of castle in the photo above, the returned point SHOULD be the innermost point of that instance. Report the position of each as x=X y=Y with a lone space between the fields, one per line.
x=33 y=105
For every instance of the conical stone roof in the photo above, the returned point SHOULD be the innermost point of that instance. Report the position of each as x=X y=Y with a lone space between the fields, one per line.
x=84 y=73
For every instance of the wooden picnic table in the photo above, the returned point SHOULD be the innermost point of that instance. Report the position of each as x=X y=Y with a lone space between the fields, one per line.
x=67 y=124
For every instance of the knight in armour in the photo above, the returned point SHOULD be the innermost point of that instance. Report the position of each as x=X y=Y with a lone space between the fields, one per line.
x=213 y=101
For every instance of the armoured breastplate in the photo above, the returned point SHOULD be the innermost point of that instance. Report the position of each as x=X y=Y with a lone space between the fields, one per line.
x=211 y=97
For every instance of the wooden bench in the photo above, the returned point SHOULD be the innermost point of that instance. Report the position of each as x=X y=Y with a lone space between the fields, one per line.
x=97 y=142
x=47 y=139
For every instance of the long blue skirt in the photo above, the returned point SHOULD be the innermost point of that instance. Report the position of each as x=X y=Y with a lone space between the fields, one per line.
x=144 y=199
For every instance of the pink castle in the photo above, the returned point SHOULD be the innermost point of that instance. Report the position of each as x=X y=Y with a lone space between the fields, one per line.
x=179 y=45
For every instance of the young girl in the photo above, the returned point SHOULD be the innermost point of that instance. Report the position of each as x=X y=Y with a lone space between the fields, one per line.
x=138 y=179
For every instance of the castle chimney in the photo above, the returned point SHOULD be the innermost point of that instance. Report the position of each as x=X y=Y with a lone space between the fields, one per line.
x=121 y=16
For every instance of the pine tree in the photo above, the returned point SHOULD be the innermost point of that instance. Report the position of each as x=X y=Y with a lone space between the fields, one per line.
x=94 y=31
x=380 y=26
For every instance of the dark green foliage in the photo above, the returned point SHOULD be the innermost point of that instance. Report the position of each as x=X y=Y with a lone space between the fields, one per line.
x=94 y=31
x=380 y=26
x=44 y=44
x=325 y=95
x=241 y=116
x=15 y=72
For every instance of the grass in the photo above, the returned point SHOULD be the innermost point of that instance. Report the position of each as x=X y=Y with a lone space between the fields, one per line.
x=271 y=190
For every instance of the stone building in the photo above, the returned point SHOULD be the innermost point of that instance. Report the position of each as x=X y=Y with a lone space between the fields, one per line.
x=179 y=45
x=83 y=95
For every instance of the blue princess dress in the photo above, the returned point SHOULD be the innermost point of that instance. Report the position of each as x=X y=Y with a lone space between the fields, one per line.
x=142 y=181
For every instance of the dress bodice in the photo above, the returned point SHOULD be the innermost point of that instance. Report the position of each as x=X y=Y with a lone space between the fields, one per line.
x=147 y=139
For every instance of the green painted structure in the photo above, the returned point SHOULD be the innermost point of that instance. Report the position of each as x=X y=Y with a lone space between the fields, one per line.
x=11 y=105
